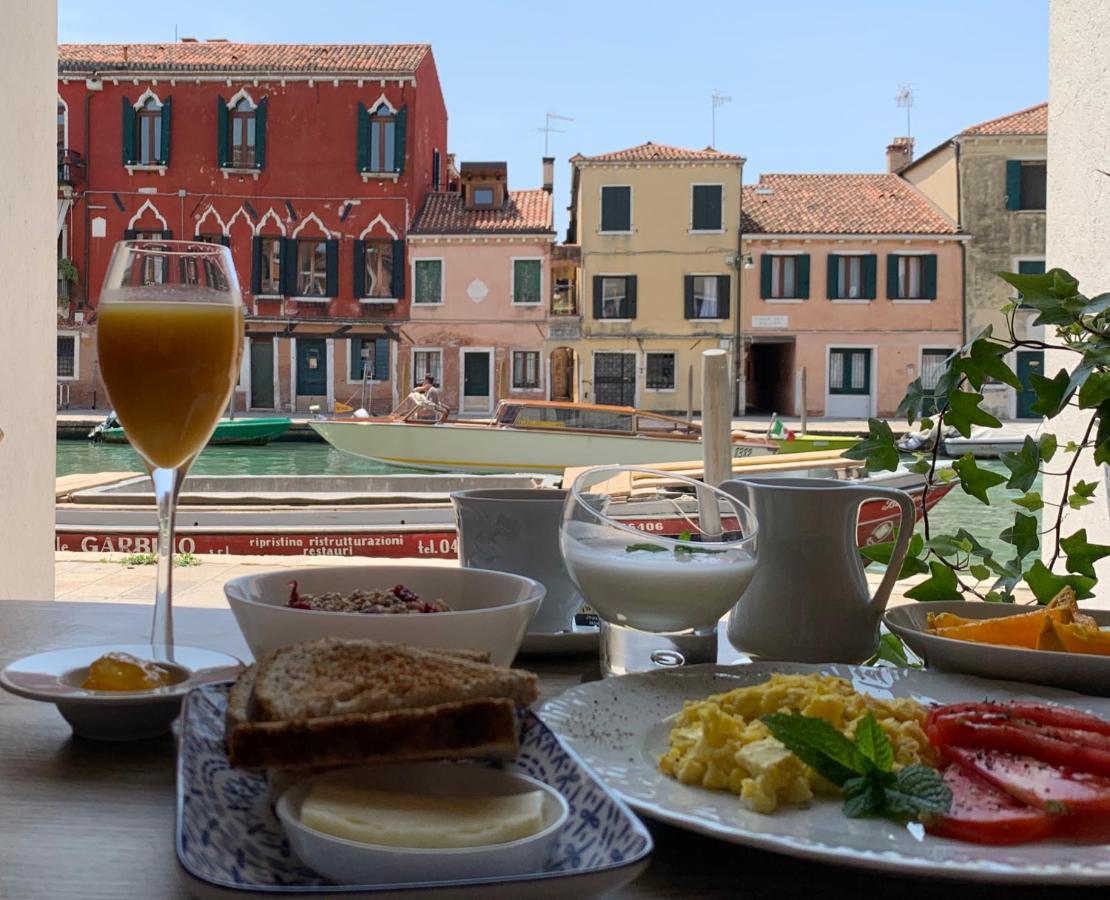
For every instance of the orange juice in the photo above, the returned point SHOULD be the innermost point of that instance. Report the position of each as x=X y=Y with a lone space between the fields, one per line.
x=169 y=368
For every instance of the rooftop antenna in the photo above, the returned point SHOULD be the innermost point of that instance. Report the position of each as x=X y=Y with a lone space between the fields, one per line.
x=904 y=100
x=719 y=100
x=548 y=130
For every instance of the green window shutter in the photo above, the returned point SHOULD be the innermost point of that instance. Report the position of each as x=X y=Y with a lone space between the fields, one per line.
x=128 y=146
x=331 y=268
x=1031 y=267
x=707 y=207
x=397 y=282
x=801 y=276
x=221 y=132
x=381 y=359
x=765 y=276
x=401 y=120
x=870 y=265
x=260 y=133
x=129 y=234
x=892 y=276
x=256 y=265
x=616 y=208
x=225 y=240
x=435 y=170
x=630 y=290
x=597 y=297
x=724 y=298
x=289 y=266
x=1013 y=184
x=164 y=149
x=359 y=284
x=526 y=281
x=688 y=304
x=832 y=278
x=362 y=133
x=355 y=352
x=427 y=281
x=929 y=276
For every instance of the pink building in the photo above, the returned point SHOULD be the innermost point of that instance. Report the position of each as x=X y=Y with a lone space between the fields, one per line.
x=480 y=262
x=855 y=280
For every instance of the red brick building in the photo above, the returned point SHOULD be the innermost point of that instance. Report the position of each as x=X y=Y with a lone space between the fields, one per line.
x=309 y=162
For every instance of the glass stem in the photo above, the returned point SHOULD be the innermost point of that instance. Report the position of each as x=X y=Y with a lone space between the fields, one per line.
x=167 y=485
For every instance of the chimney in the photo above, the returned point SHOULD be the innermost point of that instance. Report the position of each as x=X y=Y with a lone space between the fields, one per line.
x=899 y=154
x=549 y=173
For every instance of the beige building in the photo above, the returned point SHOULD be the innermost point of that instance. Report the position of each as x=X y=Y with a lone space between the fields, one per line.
x=991 y=179
x=658 y=230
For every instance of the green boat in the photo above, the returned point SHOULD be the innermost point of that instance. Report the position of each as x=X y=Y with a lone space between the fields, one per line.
x=229 y=431
x=804 y=443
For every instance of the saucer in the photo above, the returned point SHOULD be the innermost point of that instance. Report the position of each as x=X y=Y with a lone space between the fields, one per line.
x=55 y=677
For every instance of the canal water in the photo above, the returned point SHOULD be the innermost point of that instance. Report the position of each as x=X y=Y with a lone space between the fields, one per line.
x=957 y=510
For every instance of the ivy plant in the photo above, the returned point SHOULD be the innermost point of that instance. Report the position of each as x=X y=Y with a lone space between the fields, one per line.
x=959 y=565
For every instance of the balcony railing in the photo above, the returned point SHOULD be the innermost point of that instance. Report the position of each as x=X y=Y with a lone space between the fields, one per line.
x=564 y=300
x=70 y=165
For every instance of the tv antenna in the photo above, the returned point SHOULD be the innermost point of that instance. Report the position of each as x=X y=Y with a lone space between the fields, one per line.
x=719 y=100
x=904 y=100
x=548 y=130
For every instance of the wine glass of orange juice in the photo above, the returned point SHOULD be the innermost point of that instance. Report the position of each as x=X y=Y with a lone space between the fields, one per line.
x=169 y=337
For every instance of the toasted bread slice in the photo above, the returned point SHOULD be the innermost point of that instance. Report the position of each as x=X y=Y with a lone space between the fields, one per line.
x=335 y=677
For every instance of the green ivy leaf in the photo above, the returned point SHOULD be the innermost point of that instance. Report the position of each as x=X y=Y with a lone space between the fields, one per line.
x=1096 y=305
x=1052 y=393
x=944 y=545
x=1095 y=391
x=1031 y=501
x=1102 y=437
x=946 y=474
x=941 y=585
x=977 y=548
x=979 y=572
x=913 y=402
x=987 y=355
x=1024 y=465
x=1081 y=493
x=1082 y=556
x=892 y=650
x=964 y=411
x=920 y=466
x=1022 y=534
x=877 y=448
x=976 y=481
x=1047 y=447
x=1071 y=447
x=1045 y=584
x=911 y=565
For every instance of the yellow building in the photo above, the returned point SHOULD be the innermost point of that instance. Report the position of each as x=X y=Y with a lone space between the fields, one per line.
x=658 y=229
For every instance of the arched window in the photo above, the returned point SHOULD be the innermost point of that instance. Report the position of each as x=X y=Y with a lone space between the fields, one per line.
x=150 y=132
x=383 y=128
x=243 y=124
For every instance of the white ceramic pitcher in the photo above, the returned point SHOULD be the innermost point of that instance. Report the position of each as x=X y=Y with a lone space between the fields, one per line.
x=809 y=600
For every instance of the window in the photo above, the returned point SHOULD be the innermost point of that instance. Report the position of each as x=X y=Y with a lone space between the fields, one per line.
x=613 y=299
x=851 y=277
x=371 y=354
x=1034 y=178
x=243 y=134
x=933 y=364
x=785 y=277
x=154 y=267
x=849 y=371
x=660 y=372
x=527 y=278
x=61 y=125
x=482 y=196
x=708 y=206
x=909 y=277
x=149 y=122
x=67 y=356
x=270 y=266
x=707 y=296
x=428 y=274
x=427 y=362
x=312 y=264
x=211 y=238
x=378 y=278
x=849 y=282
x=616 y=208
x=526 y=370
x=383 y=134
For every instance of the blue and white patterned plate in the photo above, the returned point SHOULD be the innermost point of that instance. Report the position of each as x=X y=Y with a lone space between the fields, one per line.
x=228 y=837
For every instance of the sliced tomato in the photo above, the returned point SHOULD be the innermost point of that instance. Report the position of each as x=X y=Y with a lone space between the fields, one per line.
x=1055 y=789
x=983 y=814
x=1042 y=713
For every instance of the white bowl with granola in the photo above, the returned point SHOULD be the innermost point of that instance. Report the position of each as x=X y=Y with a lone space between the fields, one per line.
x=471 y=609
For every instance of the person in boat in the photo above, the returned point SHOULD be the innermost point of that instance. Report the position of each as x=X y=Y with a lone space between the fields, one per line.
x=426 y=394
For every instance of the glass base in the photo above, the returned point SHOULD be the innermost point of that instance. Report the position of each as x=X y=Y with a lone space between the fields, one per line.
x=625 y=650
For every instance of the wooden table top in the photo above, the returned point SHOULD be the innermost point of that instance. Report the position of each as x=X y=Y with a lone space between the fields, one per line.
x=85 y=820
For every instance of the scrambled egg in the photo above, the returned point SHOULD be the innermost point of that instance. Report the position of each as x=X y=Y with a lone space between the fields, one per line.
x=719 y=743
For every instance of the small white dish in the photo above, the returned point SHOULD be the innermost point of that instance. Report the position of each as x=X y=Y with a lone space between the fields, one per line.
x=352 y=862
x=1075 y=671
x=489 y=610
x=56 y=677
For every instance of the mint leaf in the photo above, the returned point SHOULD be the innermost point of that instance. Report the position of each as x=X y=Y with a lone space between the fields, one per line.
x=918 y=789
x=873 y=743
x=654 y=548
x=862 y=796
x=820 y=746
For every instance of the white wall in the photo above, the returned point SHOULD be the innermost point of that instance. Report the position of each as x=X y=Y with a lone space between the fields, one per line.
x=1079 y=207
x=28 y=67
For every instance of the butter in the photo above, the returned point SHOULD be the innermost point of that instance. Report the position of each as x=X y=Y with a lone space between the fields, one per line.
x=423 y=821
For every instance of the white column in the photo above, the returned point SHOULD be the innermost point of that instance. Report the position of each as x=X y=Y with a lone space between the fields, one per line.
x=293 y=374
x=1079 y=215
x=329 y=357
x=277 y=377
x=28 y=230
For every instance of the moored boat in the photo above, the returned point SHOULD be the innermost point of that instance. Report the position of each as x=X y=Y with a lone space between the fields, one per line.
x=249 y=431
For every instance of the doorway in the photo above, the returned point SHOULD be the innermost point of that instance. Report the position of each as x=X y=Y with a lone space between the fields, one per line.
x=615 y=379
x=1029 y=362
x=262 y=373
x=770 y=377
x=477 y=380
x=563 y=375
x=849 y=384
x=312 y=367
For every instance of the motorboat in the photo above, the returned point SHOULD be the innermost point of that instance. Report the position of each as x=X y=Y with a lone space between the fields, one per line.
x=990 y=443
x=247 y=431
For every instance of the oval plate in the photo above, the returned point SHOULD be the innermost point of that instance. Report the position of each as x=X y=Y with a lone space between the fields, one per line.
x=624 y=744
x=1074 y=671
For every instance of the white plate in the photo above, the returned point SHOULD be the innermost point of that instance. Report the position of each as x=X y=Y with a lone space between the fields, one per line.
x=623 y=746
x=1075 y=671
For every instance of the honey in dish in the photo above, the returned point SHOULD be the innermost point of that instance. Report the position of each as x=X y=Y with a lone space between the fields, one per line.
x=169 y=368
x=119 y=671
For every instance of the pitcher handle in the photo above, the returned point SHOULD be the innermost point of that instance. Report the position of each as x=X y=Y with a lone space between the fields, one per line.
x=905 y=532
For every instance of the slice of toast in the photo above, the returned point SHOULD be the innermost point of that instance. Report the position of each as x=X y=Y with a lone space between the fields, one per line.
x=335 y=677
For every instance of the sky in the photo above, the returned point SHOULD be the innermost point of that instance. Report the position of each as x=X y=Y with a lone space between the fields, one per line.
x=812 y=82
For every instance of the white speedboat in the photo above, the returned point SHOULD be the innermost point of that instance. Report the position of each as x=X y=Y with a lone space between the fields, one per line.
x=524 y=436
x=988 y=443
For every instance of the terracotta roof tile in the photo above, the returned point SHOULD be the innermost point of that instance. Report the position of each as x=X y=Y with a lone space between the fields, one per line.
x=527 y=212
x=839 y=204
x=1033 y=120
x=222 y=56
x=651 y=152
